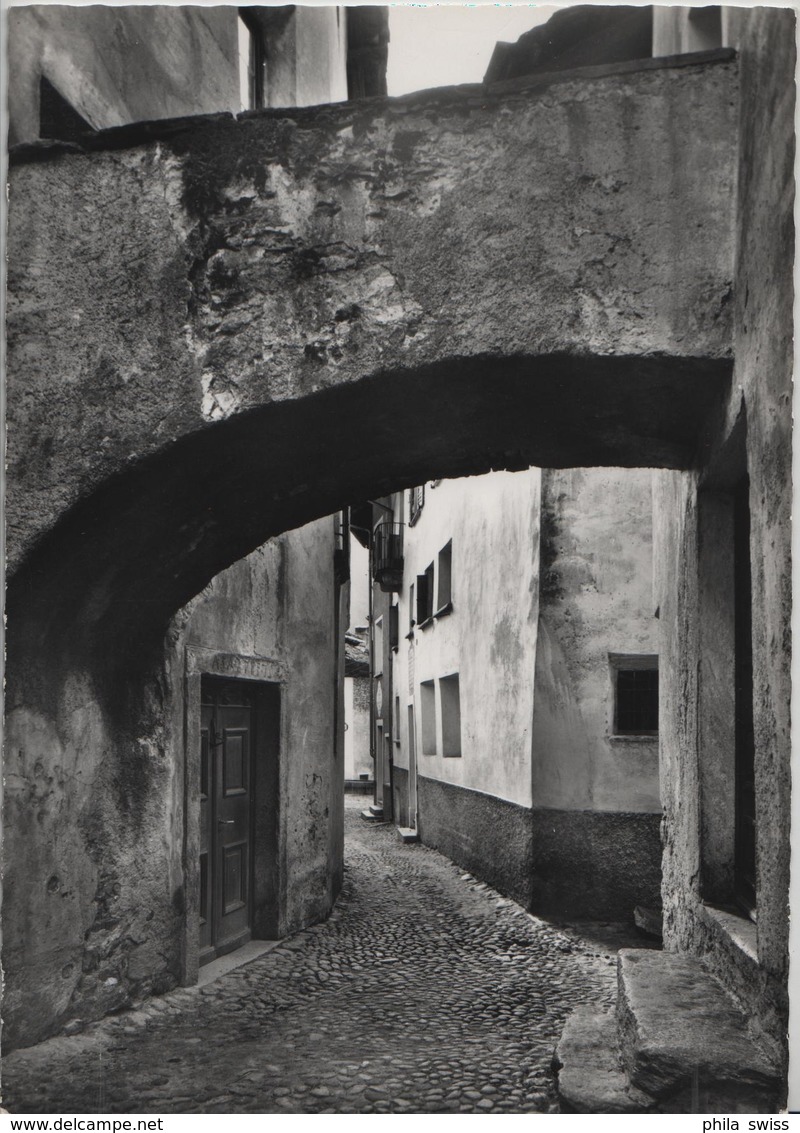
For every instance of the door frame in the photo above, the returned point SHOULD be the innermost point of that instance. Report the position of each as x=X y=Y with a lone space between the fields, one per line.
x=219 y=947
x=412 y=765
x=268 y=896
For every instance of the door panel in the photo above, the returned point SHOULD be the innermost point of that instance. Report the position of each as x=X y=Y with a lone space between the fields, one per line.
x=227 y=735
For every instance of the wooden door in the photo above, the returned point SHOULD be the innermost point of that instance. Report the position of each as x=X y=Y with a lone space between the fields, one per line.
x=226 y=815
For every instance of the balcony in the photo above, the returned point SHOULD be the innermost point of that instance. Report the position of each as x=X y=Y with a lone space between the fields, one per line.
x=387 y=556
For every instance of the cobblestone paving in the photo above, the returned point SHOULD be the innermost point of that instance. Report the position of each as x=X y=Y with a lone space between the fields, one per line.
x=424 y=992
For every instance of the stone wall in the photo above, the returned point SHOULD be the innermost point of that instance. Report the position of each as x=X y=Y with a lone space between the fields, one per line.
x=261 y=260
x=594 y=865
x=486 y=835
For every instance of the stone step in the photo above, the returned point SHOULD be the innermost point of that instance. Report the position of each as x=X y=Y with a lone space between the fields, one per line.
x=408 y=834
x=648 y=921
x=591 y=1078
x=684 y=1040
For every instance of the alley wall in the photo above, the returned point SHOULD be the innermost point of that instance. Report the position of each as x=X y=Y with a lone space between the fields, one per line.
x=100 y=904
x=752 y=438
x=597 y=851
x=474 y=796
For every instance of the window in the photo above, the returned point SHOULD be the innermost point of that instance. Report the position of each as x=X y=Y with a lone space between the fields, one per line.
x=416 y=502
x=252 y=63
x=444 y=603
x=411 y=611
x=396 y=721
x=450 y=697
x=394 y=627
x=427 y=703
x=425 y=596
x=635 y=678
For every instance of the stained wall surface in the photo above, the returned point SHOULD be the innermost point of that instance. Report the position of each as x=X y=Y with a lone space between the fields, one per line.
x=596 y=600
x=597 y=810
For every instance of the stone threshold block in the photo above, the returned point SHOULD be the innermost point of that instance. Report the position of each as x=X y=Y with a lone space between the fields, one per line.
x=684 y=1040
x=591 y=1077
x=407 y=834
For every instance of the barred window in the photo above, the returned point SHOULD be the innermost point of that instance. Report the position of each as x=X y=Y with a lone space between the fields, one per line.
x=635 y=687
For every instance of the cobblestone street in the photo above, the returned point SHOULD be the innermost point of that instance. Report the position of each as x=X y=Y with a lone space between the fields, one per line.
x=424 y=992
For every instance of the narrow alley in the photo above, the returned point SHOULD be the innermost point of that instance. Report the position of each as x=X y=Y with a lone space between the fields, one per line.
x=424 y=992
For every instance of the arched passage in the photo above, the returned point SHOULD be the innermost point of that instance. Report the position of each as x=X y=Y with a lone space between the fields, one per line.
x=94 y=695
x=194 y=338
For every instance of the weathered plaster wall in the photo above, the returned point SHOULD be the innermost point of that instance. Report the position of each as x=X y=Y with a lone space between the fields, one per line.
x=95 y=887
x=359 y=584
x=357 y=760
x=321 y=54
x=762 y=389
x=132 y=64
x=117 y=65
x=596 y=599
x=596 y=848
x=93 y=879
x=489 y=637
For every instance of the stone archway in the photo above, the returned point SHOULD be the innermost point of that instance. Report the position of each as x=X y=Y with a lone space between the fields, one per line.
x=204 y=310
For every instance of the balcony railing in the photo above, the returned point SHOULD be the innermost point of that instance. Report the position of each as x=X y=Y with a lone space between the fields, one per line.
x=387 y=556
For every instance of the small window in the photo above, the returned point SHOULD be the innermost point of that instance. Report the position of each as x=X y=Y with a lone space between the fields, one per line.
x=411 y=610
x=635 y=694
x=394 y=627
x=444 y=597
x=425 y=596
x=416 y=502
x=450 y=697
x=427 y=703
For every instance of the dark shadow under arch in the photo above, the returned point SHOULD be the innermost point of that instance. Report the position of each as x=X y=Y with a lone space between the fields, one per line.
x=98 y=592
